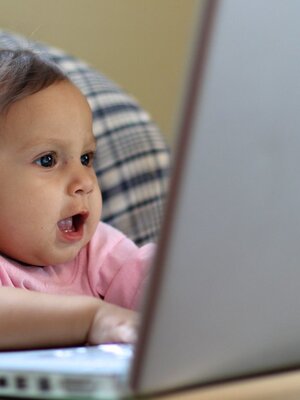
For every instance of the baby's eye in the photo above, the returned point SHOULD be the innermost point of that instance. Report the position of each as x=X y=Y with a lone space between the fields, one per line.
x=87 y=159
x=47 y=160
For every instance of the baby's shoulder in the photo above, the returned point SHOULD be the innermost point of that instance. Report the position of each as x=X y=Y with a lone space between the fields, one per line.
x=106 y=232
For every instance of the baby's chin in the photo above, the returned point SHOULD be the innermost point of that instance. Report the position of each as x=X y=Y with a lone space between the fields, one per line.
x=59 y=255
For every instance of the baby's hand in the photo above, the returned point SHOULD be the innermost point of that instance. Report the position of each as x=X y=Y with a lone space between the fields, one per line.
x=113 y=324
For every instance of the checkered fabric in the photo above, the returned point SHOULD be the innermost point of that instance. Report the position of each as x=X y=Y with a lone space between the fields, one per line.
x=132 y=159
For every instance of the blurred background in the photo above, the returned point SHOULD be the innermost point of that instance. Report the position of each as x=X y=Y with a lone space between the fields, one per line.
x=140 y=44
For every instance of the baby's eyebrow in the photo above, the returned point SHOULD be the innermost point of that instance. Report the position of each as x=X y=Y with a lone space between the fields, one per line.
x=92 y=142
x=91 y=145
x=31 y=144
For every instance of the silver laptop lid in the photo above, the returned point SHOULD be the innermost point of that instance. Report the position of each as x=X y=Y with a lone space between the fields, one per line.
x=226 y=283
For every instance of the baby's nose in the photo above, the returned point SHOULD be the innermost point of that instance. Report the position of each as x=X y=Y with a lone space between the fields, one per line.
x=82 y=181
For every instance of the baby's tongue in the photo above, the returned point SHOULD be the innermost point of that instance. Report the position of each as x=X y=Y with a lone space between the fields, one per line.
x=66 y=225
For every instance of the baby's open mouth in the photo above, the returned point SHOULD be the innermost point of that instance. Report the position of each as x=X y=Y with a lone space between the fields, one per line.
x=73 y=223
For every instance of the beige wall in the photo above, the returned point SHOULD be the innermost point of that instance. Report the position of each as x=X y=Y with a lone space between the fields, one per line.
x=141 y=44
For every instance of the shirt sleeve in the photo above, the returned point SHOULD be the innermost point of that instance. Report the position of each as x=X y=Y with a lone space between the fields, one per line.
x=120 y=268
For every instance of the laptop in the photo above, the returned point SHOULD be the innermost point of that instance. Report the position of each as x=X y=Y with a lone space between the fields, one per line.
x=224 y=297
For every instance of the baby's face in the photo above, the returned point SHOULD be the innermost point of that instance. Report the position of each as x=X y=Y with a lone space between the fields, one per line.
x=49 y=195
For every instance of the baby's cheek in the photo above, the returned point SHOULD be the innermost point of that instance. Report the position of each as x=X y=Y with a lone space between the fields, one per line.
x=92 y=226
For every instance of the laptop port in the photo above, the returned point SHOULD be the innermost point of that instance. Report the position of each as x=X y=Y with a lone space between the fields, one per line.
x=44 y=384
x=21 y=382
x=3 y=381
x=78 y=385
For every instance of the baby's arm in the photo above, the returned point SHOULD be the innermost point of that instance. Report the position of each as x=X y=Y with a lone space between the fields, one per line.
x=31 y=319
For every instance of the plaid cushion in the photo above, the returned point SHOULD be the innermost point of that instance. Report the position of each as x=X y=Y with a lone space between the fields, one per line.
x=132 y=159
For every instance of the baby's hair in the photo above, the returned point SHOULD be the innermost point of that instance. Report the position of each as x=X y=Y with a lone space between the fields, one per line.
x=23 y=73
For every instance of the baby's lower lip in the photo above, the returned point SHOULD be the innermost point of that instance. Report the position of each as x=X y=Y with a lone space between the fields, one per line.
x=72 y=236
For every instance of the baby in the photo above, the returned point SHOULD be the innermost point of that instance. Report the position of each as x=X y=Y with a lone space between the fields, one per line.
x=65 y=277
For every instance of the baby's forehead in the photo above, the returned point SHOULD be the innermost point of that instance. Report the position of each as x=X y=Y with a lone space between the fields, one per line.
x=58 y=113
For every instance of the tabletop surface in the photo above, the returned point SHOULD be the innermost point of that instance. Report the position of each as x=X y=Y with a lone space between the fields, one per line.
x=281 y=386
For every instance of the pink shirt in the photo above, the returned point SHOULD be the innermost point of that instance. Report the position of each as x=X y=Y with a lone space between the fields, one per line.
x=111 y=267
